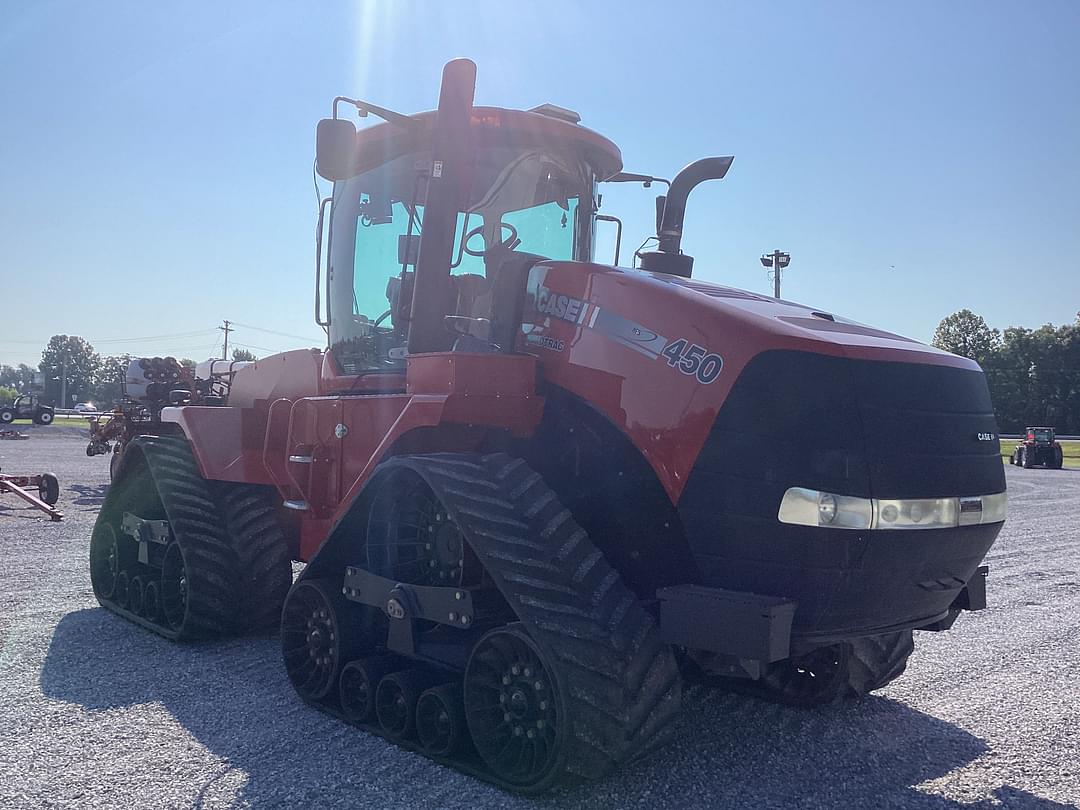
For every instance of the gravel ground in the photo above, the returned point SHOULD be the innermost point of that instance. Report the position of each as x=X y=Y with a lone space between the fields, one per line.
x=97 y=713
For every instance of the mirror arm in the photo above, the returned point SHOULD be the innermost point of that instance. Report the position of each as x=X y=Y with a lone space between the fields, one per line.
x=629 y=177
x=363 y=108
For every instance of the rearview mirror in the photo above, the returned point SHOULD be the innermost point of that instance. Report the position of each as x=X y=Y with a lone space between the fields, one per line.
x=335 y=148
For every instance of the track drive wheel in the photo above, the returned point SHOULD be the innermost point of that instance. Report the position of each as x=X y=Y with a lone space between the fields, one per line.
x=850 y=669
x=312 y=638
x=809 y=680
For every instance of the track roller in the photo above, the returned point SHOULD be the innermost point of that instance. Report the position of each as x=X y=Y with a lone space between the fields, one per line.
x=440 y=720
x=137 y=595
x=395 y=701
x=358 y=683
x=152 y=601
x=122 y=591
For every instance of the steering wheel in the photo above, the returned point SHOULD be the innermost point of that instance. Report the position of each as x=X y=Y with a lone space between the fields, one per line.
x=380 y=319
x=510 y=242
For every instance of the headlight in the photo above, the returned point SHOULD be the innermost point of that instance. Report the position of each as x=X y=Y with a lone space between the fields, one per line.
x=810 y=507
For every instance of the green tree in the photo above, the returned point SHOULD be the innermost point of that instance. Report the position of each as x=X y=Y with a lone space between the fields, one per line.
x=21 y=378
x=1034 y=378
x=243 y=354
x=74 y=359
x=109 y=381
x=7 y=395
x=966 y=334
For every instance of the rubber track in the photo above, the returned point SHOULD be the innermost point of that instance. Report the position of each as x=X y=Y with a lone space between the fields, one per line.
x=264 y=561
x=197 y=525
x=876 y=660
x=622 y=688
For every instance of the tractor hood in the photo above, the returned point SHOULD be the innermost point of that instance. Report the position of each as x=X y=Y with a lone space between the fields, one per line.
x=799 y=392
x=813 y=329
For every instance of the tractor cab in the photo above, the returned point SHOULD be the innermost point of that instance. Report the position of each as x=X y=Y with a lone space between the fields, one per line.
x=1039 y=435
x=436 y=217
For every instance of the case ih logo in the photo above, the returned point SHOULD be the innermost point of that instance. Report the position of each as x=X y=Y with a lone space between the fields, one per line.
x=681 y=354
x=986 y=437
x=563 y=306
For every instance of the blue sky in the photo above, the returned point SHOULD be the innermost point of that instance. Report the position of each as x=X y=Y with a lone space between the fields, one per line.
x=914 y=158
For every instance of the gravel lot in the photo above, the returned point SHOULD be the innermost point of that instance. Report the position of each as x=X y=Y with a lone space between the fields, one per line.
x=98 y=713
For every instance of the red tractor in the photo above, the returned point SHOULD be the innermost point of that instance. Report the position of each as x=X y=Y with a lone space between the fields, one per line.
x=1038 y=448
x=535 y=493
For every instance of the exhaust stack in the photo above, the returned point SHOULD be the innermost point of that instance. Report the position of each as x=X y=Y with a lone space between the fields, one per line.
x=669 y=258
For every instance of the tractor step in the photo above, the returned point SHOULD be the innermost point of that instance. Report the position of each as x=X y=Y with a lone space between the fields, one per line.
x=745 y=626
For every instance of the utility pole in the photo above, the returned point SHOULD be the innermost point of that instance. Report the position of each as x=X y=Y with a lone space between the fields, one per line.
x=777 y=260
x=225 y=348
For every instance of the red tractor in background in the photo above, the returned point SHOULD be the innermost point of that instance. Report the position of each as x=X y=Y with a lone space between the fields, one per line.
x=1038 y=448
x=535 y=493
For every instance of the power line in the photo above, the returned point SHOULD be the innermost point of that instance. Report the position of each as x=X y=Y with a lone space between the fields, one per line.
x=252 y=346
x=147 y=339
x=154 y=338
x=272 y=331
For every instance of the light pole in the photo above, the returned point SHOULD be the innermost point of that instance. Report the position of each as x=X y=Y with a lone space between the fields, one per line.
x=777 y=260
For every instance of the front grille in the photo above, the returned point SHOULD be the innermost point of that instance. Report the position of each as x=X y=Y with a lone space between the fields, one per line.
x=870 y=429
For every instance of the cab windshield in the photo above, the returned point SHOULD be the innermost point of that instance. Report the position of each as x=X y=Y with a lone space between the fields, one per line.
x=529 y=200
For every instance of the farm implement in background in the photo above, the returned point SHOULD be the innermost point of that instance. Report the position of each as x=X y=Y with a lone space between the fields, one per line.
x=46 y=485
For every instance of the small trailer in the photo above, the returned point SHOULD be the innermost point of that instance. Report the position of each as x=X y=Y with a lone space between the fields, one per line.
x=47 y=486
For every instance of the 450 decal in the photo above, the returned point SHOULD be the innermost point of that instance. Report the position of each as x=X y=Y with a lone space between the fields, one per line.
x=693 y=360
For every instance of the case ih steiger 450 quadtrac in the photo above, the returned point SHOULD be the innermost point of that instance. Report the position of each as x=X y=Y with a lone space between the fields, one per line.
x=534 y=493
